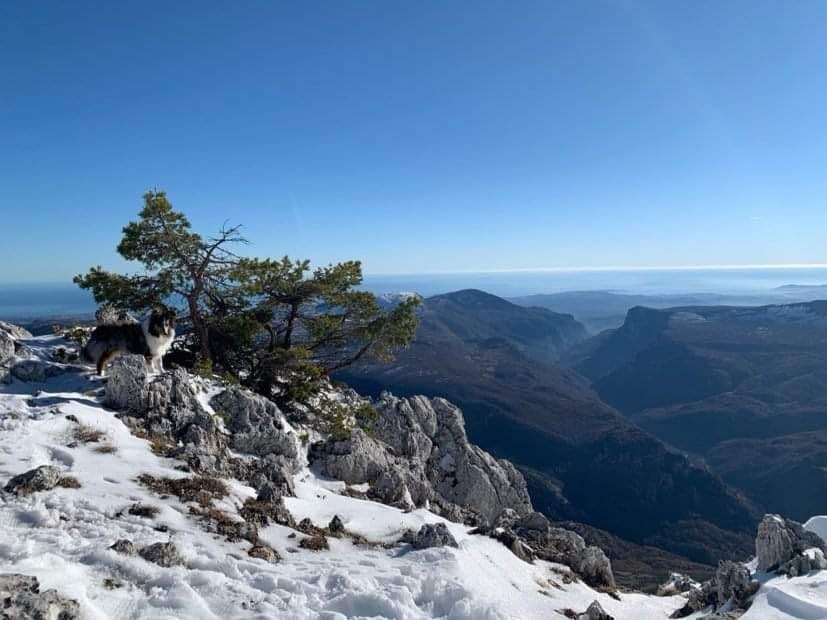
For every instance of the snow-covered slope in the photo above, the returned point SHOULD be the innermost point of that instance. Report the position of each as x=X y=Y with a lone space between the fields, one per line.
x=62 y=537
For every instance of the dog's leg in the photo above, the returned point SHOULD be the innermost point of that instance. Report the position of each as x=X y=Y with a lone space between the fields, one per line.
x=150 y=361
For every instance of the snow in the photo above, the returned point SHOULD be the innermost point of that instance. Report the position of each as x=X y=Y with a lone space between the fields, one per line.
x=63 y=537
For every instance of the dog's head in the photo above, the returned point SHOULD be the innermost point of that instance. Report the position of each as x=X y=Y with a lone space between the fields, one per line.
x=162 y=321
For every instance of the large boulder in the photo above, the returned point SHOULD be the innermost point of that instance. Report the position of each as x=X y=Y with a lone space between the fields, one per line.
x=780 y=540
x=131 y=388
x=21 y=599
x=256 y=424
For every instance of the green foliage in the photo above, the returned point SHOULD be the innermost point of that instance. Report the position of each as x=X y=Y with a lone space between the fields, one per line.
x=203 y=367
x=277 y=326
x=338 y=421
x=366 y=416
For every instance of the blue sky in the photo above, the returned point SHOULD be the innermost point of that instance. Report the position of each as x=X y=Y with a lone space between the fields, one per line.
x=419 y=136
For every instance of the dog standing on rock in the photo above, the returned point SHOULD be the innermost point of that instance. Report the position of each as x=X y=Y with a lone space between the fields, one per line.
x=151 y=338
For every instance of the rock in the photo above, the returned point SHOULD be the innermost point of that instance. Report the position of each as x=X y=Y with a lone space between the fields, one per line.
x=780 y=540
x=163 y=554
x=16 y=332
x=594 y=612
x=256 y=424
x=36 y=371
x=262 y=552
x=676 y=584
x=21 y=599
x=733 y=583
x=434 y=535
x=43 y=478
x=171 y=395
x=556 y=544
x=336 y=527
x=698 y=599
x=418 y=454
x=810 y=560
x=314 y=543
x=124 y=546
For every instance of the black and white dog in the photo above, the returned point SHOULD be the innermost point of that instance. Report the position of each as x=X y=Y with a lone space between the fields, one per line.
x=151 y=338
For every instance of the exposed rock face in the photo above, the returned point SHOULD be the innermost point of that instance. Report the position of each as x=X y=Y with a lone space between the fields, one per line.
x=733 y=582
x=167 y=405
x=780 y=540
x=43 y=478
x=556 y=544
x=6 y=347
x=163 y=554
x=21 y=599
x=255 y=423
x=419 y=453
x=16 y=332
x=804 y=563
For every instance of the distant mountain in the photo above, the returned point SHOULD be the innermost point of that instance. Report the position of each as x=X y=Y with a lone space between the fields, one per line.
x=600 y=310
x=743 y=388
x=582 y=459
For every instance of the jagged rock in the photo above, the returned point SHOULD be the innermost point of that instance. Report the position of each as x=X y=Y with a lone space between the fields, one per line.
x=780 y=540
x=336 y=527
x=810 y=560
x=21 y=599
x=170 y=394
x=556 y=544
x=733 y=582
x=163 y=554
x=36 y=371
x=594 y=612
x=262 y=552
x=433 y=535
x=16 y=332
x=43 y=478
x=124 y=546
x=418 y=453
x=676 y=584
x=256 y=424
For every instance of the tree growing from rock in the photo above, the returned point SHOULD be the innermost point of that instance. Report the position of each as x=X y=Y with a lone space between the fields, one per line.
x=277 y=325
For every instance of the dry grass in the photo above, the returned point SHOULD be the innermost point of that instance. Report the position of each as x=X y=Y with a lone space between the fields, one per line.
x=106 y=449
x=87 y=434
x=144 y=510
x=200 y=489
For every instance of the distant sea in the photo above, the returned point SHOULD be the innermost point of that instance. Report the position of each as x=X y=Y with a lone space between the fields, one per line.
x=41 y=301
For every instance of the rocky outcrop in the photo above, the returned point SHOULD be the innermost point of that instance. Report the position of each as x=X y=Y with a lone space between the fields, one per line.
x=43 y=478
x=418 y=453
x=21 y=599
x=733 y=583
x=676 y=584
x=167 y=407
x=556 y=544
x=6 y=356
x=780 y=540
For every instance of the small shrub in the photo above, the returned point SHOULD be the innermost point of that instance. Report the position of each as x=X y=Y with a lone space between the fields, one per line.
x=203 y=367
x=200 y=489
x=87 y=434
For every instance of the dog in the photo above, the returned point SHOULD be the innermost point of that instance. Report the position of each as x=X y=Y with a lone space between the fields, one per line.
x=151 y=338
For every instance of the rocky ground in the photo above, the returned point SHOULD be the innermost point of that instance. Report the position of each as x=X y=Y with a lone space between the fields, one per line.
x=173 y=496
